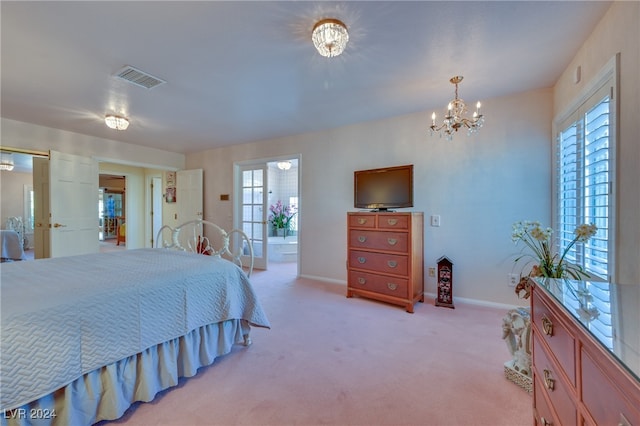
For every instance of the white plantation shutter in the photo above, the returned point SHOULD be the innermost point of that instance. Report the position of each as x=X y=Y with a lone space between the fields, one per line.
x=584 y=171
x=597 y=183
x=602 y=326
x=569 y=188
x=600 y=298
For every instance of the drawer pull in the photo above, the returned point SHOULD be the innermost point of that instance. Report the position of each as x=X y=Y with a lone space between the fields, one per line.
x=392 y=222
x=549 y=383
x=392 y=286
x=362 y=238
x=392 y=241
x=547 y=326
x=392 y=263
x=545 y=422
x=362 y=221
x=362 y=280
x=362 y=259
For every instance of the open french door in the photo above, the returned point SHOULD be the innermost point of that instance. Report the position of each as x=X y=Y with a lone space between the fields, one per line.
x=66 y=207
x=253 y=210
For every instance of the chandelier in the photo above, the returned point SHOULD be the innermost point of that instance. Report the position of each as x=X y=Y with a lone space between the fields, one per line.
x=455 y=116
x=330 y=37
x=116 y=122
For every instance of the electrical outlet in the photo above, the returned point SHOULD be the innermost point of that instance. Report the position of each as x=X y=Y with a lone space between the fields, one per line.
x=513 y=279
x=432 y=272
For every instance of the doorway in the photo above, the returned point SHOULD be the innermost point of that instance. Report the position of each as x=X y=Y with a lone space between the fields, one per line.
x=269 y=209
x=283 y=214
x=111 y=211
x=136 y=205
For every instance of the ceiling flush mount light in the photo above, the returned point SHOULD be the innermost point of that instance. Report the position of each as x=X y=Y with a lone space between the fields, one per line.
x=6 y=162
x=330 y=37
x=455 y=117
x=116 y=122
x=6 y=165
x=284 y=165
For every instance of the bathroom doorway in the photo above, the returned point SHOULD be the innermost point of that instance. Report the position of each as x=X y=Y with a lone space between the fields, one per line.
x=283 y=215
x=268 y=209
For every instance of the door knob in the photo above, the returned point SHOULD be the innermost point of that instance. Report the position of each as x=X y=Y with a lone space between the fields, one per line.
x=58 y=225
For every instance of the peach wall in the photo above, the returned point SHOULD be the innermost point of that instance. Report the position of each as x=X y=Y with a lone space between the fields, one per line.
x=478 y=185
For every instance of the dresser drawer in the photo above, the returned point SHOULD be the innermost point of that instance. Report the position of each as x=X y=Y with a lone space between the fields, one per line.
x=543 y=415
x=390 y=221
x=605 y=401
x=392 y=286
x=362 y=221
x=379 y=262
x=375 y=240
x=556 y=335
x=551 y=383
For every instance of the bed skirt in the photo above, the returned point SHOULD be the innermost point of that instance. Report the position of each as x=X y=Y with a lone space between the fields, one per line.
x=106 y=393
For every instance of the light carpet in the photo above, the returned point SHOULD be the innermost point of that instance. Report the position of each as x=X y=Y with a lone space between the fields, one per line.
x=330 y=360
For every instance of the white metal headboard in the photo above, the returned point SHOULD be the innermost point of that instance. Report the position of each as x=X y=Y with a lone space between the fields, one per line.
x=207 y=238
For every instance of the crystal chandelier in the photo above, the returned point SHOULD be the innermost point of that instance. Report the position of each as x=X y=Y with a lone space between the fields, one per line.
x=455 y=116
x=116 y=122
x=330 y=37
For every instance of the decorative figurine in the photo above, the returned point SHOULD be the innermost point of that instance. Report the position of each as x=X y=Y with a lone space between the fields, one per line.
x=445 y=283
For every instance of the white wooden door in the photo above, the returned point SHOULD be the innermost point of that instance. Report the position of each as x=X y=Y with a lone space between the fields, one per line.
x=253 y=210
x=41 y=207
x=73 y=200
x=189 y=195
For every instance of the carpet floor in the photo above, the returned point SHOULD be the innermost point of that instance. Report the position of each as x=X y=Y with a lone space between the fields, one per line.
x=332 y=360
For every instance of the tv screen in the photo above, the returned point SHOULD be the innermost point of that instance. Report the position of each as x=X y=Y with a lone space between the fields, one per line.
x=384 y=189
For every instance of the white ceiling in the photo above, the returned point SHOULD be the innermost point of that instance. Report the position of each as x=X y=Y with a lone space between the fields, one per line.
x=244 y=71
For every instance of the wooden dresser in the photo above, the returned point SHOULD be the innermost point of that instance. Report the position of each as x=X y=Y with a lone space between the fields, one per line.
x=385 y=257
x=586 y=355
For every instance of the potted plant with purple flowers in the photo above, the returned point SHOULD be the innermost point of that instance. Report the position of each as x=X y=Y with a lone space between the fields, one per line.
x=280 y=218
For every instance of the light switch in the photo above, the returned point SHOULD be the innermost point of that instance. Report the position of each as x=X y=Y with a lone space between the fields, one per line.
x=435 y=220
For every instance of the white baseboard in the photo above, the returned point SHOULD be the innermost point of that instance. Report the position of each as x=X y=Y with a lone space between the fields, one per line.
x=431 y=296
x=324 y=279
x=475 y=302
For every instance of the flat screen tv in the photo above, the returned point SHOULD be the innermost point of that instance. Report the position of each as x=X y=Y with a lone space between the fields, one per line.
x=383 y=189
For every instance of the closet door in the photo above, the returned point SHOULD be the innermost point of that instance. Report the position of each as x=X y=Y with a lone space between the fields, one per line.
x=66 y=214
x=41 y=207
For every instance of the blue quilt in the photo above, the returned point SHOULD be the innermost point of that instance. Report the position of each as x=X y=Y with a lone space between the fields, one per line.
x=64 y=317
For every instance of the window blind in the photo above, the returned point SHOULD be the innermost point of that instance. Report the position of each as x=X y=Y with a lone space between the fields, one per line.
x=583 y=182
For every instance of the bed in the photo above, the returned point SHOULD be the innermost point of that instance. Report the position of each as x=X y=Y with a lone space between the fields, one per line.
x=83 y=337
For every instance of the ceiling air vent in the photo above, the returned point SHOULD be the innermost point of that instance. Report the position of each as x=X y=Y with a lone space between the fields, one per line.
x=139 y=78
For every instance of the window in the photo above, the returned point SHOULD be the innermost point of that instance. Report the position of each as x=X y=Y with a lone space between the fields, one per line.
x=584 y=174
